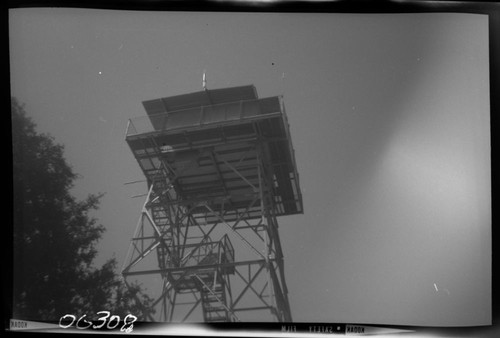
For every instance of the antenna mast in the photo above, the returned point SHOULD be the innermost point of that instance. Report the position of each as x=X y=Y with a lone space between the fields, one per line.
x=204 y=81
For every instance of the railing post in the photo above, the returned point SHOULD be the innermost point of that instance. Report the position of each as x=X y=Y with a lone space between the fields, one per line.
x=202 y=115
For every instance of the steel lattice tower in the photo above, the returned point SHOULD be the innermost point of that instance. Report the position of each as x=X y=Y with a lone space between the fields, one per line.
x=220 y=169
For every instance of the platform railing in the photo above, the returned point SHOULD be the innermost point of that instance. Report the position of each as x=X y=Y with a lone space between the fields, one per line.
x=202 y=251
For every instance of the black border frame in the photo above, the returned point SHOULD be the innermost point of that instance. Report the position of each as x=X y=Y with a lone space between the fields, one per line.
x=490 y=8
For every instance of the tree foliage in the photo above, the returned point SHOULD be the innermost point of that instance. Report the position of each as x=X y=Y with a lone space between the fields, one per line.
x=55 y=236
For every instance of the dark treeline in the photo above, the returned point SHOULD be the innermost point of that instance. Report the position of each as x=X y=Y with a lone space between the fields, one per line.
x=55 y=237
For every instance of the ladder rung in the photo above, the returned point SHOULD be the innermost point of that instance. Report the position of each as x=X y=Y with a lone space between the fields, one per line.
x=214 y=309
x=217 y=319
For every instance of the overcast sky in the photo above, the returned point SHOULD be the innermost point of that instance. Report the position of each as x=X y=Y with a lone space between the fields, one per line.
x=389 y=119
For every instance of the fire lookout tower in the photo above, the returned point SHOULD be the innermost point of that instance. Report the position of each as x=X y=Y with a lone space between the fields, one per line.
x=220 y=169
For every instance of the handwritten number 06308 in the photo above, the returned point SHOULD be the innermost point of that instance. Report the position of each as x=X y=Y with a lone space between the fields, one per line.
x=112 y=322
